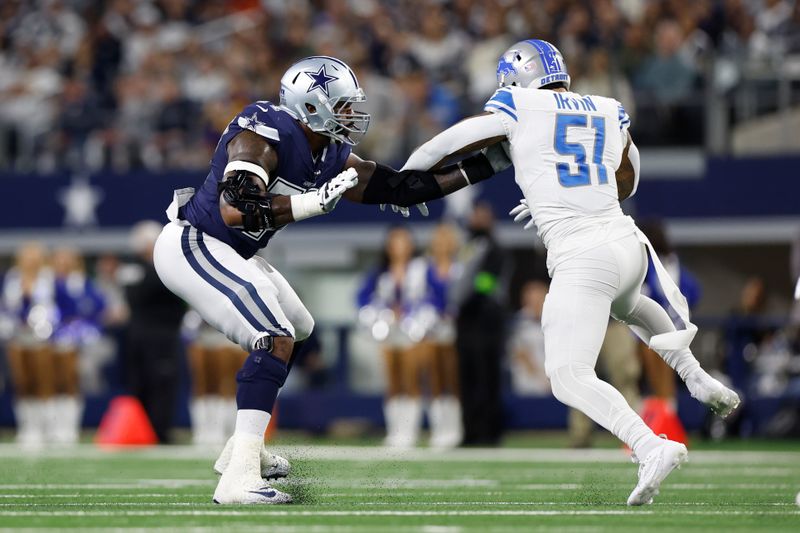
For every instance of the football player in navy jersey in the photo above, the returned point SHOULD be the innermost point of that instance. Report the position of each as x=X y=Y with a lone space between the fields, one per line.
x=277 y=164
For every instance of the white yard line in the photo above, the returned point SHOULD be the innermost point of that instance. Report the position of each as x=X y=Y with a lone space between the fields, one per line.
x=482 y=503
x=386 y=484
x=377 y=453
x=264 y=512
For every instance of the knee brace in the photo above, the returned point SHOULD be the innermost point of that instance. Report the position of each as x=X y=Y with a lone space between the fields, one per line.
x=265 y=343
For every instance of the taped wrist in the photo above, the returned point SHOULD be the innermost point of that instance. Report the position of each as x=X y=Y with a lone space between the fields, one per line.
x=404 y=188
x=306 y=205
x=475 y=168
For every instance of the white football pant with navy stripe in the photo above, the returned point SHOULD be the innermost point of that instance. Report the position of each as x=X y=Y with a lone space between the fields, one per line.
x=245 y=299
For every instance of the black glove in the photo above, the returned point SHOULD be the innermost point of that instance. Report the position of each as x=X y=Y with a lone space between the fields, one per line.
x=242 y=190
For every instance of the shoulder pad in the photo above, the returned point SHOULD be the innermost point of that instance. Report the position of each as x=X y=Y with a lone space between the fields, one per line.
x=502 y=100
x=259 y=117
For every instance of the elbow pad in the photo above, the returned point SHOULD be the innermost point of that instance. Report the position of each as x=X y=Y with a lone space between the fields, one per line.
x=633 y=155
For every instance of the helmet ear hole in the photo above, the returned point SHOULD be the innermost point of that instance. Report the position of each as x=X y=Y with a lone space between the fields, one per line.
x=310 y=108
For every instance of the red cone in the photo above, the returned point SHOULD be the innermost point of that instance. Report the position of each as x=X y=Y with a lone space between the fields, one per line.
x=125 y=423
x=663 y=420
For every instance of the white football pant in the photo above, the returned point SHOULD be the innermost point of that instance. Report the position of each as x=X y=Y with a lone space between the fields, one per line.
x=245 y=299
x=585 y=290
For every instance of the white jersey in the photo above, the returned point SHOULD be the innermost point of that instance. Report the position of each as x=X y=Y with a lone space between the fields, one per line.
x=566 y=149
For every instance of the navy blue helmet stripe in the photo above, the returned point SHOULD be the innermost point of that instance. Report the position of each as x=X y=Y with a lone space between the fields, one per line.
x=251 y=290
x=195 y=264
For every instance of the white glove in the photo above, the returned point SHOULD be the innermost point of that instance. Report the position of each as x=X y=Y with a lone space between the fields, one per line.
x=521 y=212
x=324 y=199
x=331 y=191
x=423 y=209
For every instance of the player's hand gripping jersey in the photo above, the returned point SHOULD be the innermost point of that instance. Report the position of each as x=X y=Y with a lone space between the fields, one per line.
x=566 y=149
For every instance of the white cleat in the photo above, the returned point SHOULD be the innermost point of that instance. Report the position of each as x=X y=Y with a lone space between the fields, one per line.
x=248 y=492
x=272 y=466
x=241 y=482
x=710 y=391
x=655 y=468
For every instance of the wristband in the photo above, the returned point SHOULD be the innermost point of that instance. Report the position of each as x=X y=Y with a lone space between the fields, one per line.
x=248 y=167
x=306 y=205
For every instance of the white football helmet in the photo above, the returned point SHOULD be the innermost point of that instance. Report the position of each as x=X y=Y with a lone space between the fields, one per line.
x=320 y=92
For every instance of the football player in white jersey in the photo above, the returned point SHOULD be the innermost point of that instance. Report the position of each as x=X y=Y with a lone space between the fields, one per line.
x=574 y=161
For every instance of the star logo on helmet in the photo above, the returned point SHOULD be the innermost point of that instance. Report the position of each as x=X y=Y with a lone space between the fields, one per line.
x=321 y=79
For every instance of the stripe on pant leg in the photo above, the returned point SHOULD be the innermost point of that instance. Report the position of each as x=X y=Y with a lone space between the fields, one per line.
x=251 y=289
x=227 y=292
x=213 y=267
x=235 y=288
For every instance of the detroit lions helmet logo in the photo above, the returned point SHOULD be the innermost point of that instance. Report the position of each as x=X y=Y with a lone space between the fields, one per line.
x=321 y=79
x=506 y=67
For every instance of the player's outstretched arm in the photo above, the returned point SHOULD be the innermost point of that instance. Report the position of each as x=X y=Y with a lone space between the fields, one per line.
x=379 y=184
x=473 y=133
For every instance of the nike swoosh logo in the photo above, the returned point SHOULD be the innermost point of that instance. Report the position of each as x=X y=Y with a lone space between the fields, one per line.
x=264 y=109
x=267 y=493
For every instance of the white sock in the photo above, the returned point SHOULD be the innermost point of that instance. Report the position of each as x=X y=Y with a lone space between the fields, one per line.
x=390 y=406
x=70 y=409
x=252 y=422
x=411 y=420
x=227 y=416
x=455 y=428
x=53 y=421
x=648 y=319
x=213 y=420
x=197 y=408
x=39 y=419
x=23 y=415
x=437 y=420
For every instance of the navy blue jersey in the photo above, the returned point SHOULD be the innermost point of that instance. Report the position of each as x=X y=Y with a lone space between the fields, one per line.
x=297 y=172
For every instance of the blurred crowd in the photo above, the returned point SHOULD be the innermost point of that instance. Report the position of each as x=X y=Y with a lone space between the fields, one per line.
x=126 y=84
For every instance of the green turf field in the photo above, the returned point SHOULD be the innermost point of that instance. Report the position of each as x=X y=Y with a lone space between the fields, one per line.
x=348 y=488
